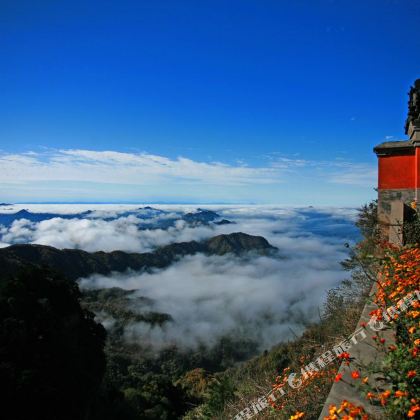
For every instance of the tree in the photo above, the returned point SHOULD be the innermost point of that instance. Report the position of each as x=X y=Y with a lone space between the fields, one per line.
x=220 y=391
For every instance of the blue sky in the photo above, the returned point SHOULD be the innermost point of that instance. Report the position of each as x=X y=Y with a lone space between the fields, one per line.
x=209 y=101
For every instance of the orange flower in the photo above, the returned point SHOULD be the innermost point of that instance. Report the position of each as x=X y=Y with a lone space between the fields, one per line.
x=347 y=411
x=384 y=396
x=338 y=377
x=298 y=415
x=370 y=395
x=413 y=410
x=365 y=380
x=355 y=374
x=400 y=394
x=386 y=393
x=332 y=410
x=344 y=355
x=411 y=374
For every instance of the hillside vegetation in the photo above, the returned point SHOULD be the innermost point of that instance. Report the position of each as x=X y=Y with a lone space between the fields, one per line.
x=232 y=392
x=135 y=382
x=51 y=349
x=237 y=388
x=58 y=363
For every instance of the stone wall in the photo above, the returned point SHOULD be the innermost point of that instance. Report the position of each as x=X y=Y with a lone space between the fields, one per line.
x=393 y=209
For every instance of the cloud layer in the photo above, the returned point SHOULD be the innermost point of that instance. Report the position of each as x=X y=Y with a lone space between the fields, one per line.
x=95 y=233
x=126 y=168
x=87 y=175
x=262 y=298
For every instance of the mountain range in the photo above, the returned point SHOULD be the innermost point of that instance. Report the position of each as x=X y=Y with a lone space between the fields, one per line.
x=76 y=263
x=148 y=217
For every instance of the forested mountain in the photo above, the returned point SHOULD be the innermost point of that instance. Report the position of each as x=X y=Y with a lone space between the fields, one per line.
x=76 y=263
x=53 y=350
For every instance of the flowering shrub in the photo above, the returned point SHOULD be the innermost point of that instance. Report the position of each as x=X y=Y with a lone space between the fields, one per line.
x=305 y=395
x=297 y=415
x=346 y=411
x=398 y=278
x=393 y=383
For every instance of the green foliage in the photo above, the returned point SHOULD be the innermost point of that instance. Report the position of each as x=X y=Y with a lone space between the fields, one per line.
x=367 y=220
x=361 y=256
x=168 y=384
x=337 y=320
x=396 y=367
x=112 y=404
x=194 y=383
x=220 y=391
x=255 y=377
x=155 y=397
x=411 y=229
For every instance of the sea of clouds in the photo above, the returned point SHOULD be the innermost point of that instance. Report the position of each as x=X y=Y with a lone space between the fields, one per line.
x=262 y=298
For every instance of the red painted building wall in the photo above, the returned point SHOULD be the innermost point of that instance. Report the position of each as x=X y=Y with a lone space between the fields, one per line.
x=417 y=168
x=399 y=171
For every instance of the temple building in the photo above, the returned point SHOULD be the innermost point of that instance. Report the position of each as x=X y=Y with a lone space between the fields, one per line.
x=399 y=173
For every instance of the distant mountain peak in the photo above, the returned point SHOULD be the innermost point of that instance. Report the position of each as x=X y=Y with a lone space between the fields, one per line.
x=201 y=216
x=238 y=243
x=224 y=222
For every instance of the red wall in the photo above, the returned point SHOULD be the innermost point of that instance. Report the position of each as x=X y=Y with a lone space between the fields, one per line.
x=398 y=171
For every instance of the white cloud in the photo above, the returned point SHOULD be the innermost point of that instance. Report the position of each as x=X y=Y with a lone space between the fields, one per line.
x=86 y=175
x=261 y=299
x=208 y=297
x=354 y=174
x=99 y=235
x=126 y=168
x=127 y=234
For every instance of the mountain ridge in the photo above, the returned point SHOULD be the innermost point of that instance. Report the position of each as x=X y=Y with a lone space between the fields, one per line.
x=76 y=263
x=200 y=216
